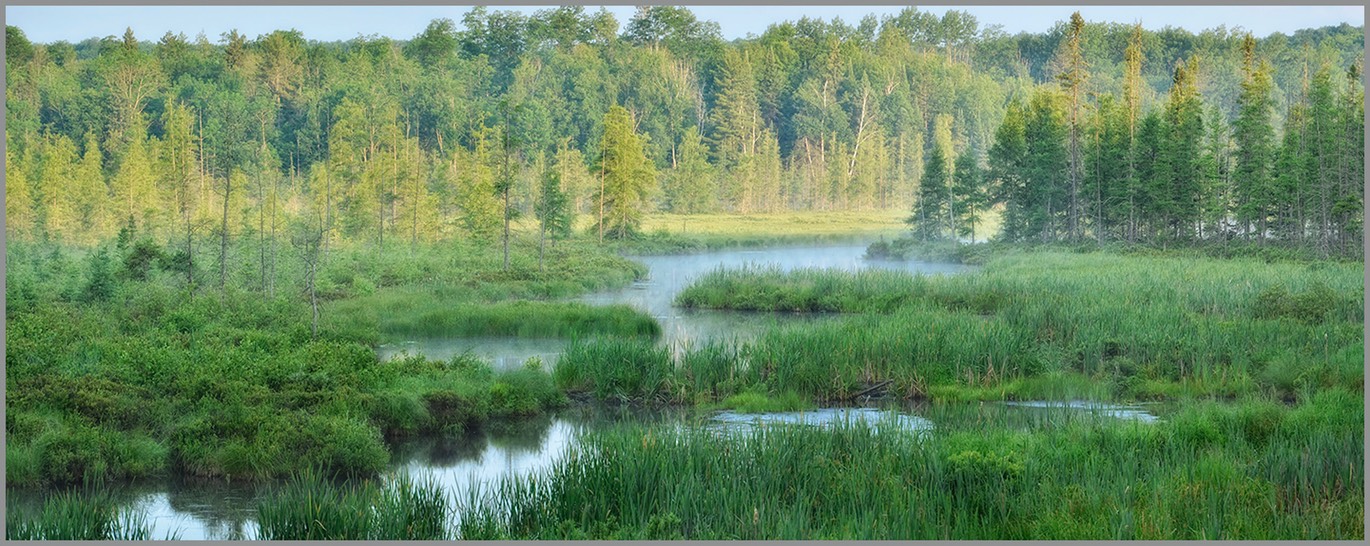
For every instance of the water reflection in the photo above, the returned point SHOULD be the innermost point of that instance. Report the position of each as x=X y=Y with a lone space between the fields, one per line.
x=1134 y=413
x=877 y=419
x=502 y=352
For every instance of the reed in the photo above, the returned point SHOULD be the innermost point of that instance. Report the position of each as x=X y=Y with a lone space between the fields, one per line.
x=311 y=507
x=985 y=476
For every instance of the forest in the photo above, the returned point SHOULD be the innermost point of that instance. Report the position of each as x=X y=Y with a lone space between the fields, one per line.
x=1097 y=131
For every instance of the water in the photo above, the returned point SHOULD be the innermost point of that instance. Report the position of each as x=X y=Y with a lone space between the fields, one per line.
x=731 y=421
x=1133 y=413
x=681 y=329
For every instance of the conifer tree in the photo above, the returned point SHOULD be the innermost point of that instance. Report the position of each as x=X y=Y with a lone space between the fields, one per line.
x=627 y=176
x=1254 y=135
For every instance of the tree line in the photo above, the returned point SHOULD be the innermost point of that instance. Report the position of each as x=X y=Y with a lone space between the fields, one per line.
x=1071 y=164
x=466 y=127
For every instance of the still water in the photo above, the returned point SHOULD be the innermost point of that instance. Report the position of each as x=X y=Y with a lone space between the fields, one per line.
x=681 y=329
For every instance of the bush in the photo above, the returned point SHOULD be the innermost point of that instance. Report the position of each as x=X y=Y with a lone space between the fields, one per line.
x=141 y=258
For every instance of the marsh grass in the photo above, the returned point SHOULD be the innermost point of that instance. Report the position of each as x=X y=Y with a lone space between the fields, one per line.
x=311 y=507
x=91 y=514
x=677 y=233
x=617 y=368
x=1204 y=473
x=1151 y=327
x=410 y=314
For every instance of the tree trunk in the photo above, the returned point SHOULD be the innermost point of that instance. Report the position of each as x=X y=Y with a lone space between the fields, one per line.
x=223 y=236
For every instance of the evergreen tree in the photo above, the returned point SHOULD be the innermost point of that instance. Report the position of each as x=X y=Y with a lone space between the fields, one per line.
x=1046 y=186
x=1254 y=135
x=737 y=130
x=691 y=187
x=1180 y=168
x=55 y=181
x=626 y=176
x=552 y=211
x=1073 y=74
x=1007 y=168
x=91 y=194
x=476 y=189
x=930 y=211
x=970 y=194
x=1147 y=192
x=135 y=188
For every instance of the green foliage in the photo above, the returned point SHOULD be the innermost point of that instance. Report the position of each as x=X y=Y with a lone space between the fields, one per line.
x=116 y=378
x=1312 y=306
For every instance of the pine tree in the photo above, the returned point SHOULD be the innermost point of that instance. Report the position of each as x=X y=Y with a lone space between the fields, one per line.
x=1148 y=192
x=91 y=194
x=737 y=130
x=930 y=210
x=1323 y=146
x=1180 y=160
x=1132 y=103
x=969 y=194
x=1073 y=74
x=1254 y=135
x=1046 y=189
x=55 y=181
x=552 y=211
x=766 y=189
x=691 y=186
x=627 y=176
x=1007 y=168
x=1348 y=212
x=134 y=186
x=476 y=189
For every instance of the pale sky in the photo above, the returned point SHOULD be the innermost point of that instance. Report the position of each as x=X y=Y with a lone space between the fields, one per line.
x=329 y=23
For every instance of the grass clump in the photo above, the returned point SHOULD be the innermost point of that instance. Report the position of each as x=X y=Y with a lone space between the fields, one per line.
x=76 y=515
x=620 y=369
x=310 y=507
x=756 y=402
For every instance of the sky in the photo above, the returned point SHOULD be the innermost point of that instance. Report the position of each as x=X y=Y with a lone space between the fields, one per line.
x=328 y=23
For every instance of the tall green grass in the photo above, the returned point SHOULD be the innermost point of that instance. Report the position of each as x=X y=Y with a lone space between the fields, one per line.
x=1203 y=474
x=407 y=314
x=77 y=515
x=1153 y=327
x=310 y=507
x=620 y=369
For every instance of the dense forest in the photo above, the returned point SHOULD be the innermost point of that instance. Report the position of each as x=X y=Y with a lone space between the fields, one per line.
x=1090 y=131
